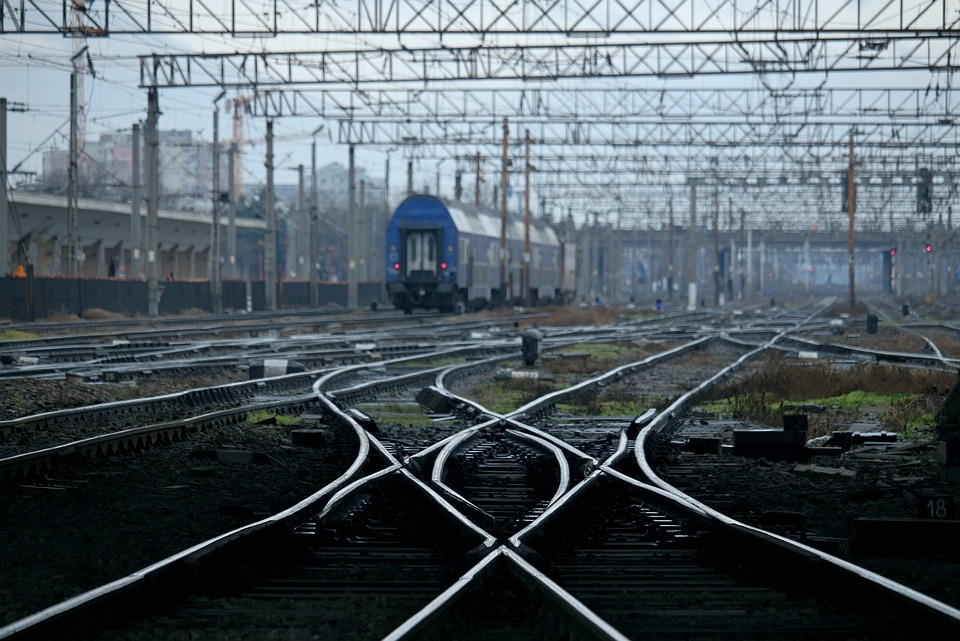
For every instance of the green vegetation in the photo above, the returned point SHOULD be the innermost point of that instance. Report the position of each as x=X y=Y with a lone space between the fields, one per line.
x=411 y=415
x=599 y=351
x=15 y=335
x=592 y=358
x=16 y=402
x=904 y=399
x=507 y=395
x=435 y=362
x=265 y=416
x=612 y=407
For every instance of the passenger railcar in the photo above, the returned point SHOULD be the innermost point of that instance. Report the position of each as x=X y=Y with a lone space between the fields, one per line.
x=443 y=254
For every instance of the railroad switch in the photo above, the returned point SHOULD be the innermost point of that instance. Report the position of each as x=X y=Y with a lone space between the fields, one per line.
x=530 y=343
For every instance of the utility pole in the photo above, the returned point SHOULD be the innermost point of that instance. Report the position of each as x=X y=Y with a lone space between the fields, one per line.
x=717 y=292
x=670 y=251
x=6 y=267
x=303 y=225
x=410 y=177
x=526 y=225
x=73 y=178
x=692 y=252
x=270 y=236
x=153 y=198
x=948 y=246
x=232 y=212
x=851 y=207
x=352 y=232
x=503 y=215
x=136 y=243
x=216 y=286
x=476 y=200
x=381 y=229
x=314 y=227
x=363 y=234
x=743 y=249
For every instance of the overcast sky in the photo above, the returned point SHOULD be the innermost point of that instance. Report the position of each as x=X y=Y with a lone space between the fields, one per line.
x=35 y=74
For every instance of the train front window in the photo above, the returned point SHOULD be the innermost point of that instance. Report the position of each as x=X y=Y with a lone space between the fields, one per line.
x=421 y=253
x=413 y=243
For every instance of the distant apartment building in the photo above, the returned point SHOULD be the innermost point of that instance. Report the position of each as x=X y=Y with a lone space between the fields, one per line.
x=184 y=167
x=333 y=186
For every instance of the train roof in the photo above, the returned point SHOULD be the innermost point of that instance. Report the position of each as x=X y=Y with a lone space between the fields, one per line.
x=486 y=222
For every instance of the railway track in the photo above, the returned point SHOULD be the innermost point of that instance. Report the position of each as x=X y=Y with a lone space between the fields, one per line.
x=528 y=523
x=127 y=356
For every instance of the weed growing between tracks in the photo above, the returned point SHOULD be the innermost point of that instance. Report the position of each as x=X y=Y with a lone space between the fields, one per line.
x=506 y=396
x=15 y=335
x=902 y=399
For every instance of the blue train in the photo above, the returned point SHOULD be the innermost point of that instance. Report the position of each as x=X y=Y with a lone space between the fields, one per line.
x=443 y=254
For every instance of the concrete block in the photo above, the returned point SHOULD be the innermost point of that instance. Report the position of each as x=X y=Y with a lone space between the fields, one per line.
x=931 y=505
x=773 y=445
x=703 y=445
x=433 y=400
x=270 y=367
x=824 y=451
x=903 y=537
x=839 y=472
x=310 y=437
x=794 y=422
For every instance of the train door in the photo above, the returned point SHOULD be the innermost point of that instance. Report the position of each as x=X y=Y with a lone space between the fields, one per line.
x=421 y=249
x=466 y=252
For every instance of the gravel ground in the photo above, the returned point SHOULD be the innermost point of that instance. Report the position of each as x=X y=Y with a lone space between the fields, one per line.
x=25 y=397
x=110 y=517
x=869 y=481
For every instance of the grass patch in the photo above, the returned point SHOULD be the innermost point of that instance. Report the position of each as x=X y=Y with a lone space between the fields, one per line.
x=506 y=396
x=591 y=358
x=15 y=335
x=610 y=408
x=263 y=416
x=411 y=415
x=858 y=399
x=95 y=313
x=61 y=315
x=904 y=399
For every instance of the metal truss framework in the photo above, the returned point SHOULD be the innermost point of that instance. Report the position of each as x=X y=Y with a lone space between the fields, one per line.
x=362 y=68
x=766 y=204
x=773 y=149
x=478 y=17
x=643 y=127
x=932 y=105
x=816 y=140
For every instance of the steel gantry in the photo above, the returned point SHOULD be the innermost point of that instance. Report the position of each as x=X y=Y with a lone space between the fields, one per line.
x=930 y=104
x=612 y=94
x=486 y=17
x=367 y=66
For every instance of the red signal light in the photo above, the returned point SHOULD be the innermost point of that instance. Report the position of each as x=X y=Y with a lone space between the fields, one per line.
x=928 y=248
x=443 y=265
x=396 y=266
x=893 y=252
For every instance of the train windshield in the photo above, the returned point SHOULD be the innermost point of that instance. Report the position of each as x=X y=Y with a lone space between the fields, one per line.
x=421 y=253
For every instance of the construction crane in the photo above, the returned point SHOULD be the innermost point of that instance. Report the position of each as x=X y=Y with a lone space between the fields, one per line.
x=240 y=105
